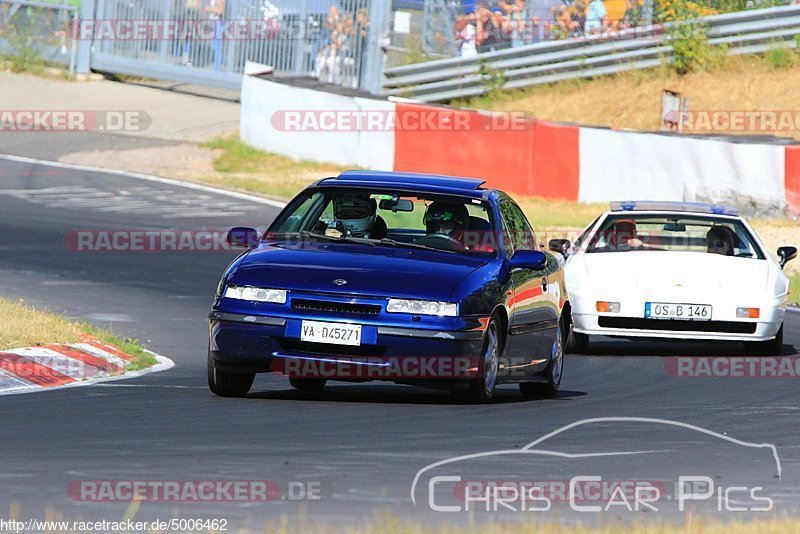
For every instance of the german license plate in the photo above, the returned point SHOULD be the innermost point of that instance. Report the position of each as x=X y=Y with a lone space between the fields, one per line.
x=333 y=333
x=671 y=310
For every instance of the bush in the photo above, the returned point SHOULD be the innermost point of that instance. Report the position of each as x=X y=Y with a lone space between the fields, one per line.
x=23 y=54
x=782 y=58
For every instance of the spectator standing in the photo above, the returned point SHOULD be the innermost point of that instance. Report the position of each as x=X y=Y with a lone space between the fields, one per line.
x=215 y=11
x=191 y=14
x=466 y=37
x=596 y=17
x=634 y=15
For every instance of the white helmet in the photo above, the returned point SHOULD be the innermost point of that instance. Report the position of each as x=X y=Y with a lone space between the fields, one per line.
x=357 y=214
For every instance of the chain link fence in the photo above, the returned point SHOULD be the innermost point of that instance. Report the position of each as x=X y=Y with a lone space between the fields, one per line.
x=35 y=32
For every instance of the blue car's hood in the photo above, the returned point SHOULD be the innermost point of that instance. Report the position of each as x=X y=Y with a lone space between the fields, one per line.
x=380 y=271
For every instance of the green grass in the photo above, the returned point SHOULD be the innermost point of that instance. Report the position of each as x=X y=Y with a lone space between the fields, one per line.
x=26 y=326
x=794 y=289
x=244 y=168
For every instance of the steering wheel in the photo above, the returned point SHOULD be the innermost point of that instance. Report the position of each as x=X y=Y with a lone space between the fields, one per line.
x=438 y=240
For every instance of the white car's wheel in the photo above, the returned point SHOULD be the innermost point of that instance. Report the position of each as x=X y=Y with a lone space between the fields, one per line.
x=771 y=347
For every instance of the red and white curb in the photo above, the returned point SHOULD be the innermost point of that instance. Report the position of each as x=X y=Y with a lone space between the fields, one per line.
x=48 y=367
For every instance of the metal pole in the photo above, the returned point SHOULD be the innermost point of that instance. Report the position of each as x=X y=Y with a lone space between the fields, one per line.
x=84 y=52
x=298 y=63
x=73 y=49
x=379 y=15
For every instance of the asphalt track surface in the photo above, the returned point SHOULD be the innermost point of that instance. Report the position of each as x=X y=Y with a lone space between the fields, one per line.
x=362 y=443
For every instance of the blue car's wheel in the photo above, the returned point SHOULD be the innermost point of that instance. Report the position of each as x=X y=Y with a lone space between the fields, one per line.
x=228 y=384
x=553 y=373
x=483 y=386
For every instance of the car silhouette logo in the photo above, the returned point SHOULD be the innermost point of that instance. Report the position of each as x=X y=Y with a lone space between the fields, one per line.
x=340 y=282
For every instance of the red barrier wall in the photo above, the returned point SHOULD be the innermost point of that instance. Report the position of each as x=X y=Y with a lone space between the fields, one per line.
x=555 y=169
x=518 y=155
x=792 y=178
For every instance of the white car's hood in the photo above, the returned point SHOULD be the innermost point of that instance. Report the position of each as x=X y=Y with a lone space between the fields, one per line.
x=667 y=274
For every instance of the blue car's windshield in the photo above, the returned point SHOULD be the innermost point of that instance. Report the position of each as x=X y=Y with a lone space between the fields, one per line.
x=447 y=223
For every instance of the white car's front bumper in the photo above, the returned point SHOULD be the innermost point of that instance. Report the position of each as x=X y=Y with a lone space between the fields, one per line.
x=659 y=328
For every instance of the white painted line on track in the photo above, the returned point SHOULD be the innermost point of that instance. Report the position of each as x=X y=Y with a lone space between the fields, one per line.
x=146 y=177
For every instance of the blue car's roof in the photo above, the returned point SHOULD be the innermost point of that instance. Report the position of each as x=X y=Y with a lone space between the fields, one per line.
x=428 y=183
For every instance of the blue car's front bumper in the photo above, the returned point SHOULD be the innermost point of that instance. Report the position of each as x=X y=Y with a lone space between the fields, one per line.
x=262 y=338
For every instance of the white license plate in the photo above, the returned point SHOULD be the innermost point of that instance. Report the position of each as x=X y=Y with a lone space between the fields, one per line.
x=333 y=333
x=671 y=310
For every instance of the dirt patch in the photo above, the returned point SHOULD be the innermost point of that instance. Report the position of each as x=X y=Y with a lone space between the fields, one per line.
x=183 y=161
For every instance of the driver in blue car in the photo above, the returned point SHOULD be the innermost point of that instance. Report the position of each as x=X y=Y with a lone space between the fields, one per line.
x=356 y=216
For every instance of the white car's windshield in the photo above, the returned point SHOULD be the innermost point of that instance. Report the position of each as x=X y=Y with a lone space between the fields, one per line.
x=630 y=232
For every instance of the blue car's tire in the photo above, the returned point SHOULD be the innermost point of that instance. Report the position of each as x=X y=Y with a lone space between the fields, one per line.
x=552 y=374
x=228 y=384
x=482 y=388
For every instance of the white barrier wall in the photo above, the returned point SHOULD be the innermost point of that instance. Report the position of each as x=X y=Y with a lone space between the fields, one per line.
x=307 y=124
x=628 y=165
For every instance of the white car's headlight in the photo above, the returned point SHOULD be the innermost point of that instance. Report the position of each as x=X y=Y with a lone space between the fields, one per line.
x=259 y=294
x=422 y=307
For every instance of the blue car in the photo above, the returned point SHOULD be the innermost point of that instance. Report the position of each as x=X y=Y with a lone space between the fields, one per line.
x=415 y=279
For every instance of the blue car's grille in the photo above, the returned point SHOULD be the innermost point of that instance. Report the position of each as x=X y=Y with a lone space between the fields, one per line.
x=335 y=307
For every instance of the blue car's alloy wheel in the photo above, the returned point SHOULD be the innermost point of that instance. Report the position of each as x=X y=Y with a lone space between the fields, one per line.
x=483 y=386
x=553 y=372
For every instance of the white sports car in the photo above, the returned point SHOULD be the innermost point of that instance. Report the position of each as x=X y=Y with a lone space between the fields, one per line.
x=675 y=270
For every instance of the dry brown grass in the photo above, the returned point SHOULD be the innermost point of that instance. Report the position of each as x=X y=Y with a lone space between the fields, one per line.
x=25 y=326
x=633 y=99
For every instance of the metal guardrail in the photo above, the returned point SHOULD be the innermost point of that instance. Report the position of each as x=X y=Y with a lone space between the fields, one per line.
x=743 y=32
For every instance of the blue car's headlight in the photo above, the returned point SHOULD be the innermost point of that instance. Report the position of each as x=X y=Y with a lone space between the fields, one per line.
x=422 y=307
x=259 y=294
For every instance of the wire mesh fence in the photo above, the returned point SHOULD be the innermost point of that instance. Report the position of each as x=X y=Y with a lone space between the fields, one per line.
x=36 y=32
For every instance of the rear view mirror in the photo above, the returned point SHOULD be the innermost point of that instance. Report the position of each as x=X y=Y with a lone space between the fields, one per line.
x=395 y=205
x=674 y=226
x=786 y=254
x=559 y=245
x=242 y=237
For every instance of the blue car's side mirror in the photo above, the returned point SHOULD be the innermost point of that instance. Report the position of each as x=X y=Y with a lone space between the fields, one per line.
x=241 y=237
x=528 y=259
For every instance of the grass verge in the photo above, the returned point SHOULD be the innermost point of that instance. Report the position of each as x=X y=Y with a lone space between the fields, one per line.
x=794 y=289
x=244 y=168
x=26 y=326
